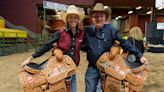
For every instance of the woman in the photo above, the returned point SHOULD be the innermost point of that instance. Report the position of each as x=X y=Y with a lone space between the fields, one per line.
x=136 y=38
x=69 y=40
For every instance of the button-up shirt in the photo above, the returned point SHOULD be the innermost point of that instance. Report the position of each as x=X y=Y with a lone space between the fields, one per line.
x=98 y=41
x=72 y=50
x=68 y=42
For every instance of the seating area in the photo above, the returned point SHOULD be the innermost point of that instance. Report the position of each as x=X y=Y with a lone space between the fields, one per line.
x=12 y=41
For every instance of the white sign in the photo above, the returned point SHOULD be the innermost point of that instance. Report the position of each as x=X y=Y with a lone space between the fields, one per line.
x=159 y=3
x=160 y=26
x=55 y=6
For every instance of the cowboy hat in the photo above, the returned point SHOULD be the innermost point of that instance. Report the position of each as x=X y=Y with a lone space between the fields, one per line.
x=99 y=7
x=72 y=9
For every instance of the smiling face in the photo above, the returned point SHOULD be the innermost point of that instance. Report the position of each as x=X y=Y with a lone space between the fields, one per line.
x=99 y=19
x=72 y=20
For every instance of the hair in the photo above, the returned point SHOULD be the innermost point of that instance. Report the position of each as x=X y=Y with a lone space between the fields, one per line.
x=136 y=33
x=79 y=26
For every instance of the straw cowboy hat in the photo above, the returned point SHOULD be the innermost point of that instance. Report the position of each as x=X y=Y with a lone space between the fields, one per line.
x=99 y=7
x=72 y=9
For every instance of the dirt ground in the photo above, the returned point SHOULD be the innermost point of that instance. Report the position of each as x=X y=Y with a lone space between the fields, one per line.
x=10 y=65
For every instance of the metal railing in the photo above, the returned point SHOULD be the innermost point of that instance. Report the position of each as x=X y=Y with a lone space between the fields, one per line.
x=11 y=45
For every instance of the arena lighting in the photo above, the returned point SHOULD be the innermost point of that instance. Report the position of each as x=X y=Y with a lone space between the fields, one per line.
x=139 y=7
x=149 y=12
x=130 y=12
x=118 y=17
x=160 y=8
x=106 y=7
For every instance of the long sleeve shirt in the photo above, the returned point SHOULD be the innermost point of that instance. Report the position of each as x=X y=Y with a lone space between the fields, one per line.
x=68 y=42
x=98 y=41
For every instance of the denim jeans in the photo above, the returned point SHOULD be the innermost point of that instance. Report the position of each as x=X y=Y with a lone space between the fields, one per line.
x=73 y=83
x=92 y=79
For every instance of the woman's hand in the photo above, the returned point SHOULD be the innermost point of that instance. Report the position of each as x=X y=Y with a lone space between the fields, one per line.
x=26 y=61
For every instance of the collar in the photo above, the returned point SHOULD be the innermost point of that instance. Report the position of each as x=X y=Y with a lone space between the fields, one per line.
x=68 y=29
x=73 y=34
x=100 y=29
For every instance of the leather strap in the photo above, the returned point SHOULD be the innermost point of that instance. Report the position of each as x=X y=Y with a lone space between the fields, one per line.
x=68 y=84
x=102 y=80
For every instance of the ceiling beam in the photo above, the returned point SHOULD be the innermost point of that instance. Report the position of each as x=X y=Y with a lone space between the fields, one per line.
x=68 y=2
x=133 y=3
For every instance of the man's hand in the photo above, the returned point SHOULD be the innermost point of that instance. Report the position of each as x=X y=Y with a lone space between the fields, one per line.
x=143 y=60
x=26 y=61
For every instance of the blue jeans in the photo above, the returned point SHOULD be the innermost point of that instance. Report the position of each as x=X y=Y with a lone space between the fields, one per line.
x=73 y=83
x=92 y=79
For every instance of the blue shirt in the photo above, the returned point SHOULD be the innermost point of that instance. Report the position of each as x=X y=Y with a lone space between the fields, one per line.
x=99 y=41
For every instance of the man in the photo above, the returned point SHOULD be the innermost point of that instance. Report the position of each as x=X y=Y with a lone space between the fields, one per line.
x=99 y=38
